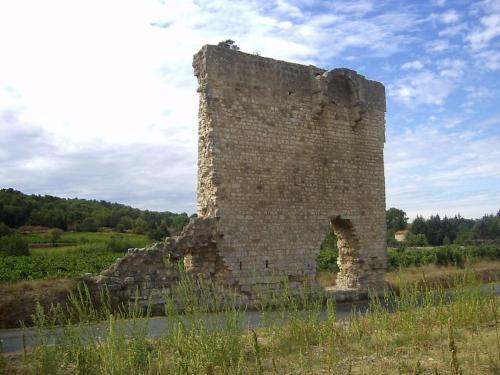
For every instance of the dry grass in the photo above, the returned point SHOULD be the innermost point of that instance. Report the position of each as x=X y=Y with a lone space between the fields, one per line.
x=476 y=354
x=485 y=270
x=446 y=276
x=426 y=334
x=326 y=278
x=18 y=300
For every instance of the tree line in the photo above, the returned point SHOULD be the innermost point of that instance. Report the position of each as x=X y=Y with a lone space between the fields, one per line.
x=438 y=231
x=18 y=209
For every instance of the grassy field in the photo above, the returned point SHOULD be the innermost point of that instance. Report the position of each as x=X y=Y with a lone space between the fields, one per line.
x=49 y=274
x=424 y=335
x=41 y=240
x=90 y=252
x=445 y=276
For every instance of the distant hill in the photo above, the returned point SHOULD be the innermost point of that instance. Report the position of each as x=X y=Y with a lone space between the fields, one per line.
x=18 y=209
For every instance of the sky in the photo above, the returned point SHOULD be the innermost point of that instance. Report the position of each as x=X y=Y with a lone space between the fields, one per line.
x=98 y=98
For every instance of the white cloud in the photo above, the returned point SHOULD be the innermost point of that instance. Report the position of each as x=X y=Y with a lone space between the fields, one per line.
x=440 y=168
x=416 y=64
x=451 y=68
x=123 y=80
x=488 y=6
x=476 y=96
x=87 y=84
x=290 y=9
x=143 y=175
x=356 y=7
x=483 y=34
x=453 y=30
x=439 y=3
x=424 y=87
x=439 y=45
x=450 y=16
x=489 y=59
x=480 y=92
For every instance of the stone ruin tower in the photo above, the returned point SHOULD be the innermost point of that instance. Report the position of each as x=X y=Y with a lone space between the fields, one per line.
x=286 y=152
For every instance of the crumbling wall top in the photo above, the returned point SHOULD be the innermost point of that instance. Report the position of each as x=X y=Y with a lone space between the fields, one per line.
x=212 y=62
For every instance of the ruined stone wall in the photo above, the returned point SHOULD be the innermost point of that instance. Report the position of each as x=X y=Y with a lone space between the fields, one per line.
x=285 y=152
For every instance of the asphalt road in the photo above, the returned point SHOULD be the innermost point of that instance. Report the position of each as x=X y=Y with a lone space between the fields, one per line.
x=13 y=340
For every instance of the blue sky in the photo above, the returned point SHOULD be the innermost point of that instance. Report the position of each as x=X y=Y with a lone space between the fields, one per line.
x=98 y=99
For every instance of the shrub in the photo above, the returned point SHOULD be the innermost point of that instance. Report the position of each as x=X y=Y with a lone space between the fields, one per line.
x=442 y=256
x=327 y=258
x=89 y=224
x=14 y=244
x=4 y=229
x=159 y=233
x=118 y=244
x=417 y=240
x=391 y=240
x=55 y=235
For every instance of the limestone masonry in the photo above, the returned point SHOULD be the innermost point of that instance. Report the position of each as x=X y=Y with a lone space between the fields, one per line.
x=286 y=152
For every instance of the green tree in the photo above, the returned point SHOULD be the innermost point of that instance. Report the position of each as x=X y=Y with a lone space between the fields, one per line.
x=416 y=240
x=18 y=209
x=391 y=238
x=140 y=226
x=89 y=224
x=418 y=225
x=14 y=244
x=127 y=222
x=434 y=232
x=396 y=219
x=179 y=222
x=118 y=244
x=159 y=233
x=464 y=236
x=55 y=236
x=328 y=254
x=4 y=229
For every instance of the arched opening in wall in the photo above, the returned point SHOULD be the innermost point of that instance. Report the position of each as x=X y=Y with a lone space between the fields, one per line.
x=338 y=263
x=326 y=262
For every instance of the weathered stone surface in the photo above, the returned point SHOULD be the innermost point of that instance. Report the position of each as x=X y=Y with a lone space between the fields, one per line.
x=150 y=272
x=286 y=151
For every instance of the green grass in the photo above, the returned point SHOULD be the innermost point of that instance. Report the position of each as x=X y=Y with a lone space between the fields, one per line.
x=83 y=237
x=424 y=335
x=92 y=253
x=96 y=239
x=74 y=262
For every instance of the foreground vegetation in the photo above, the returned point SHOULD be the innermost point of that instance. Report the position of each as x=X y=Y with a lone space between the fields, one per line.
x=424 y=334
